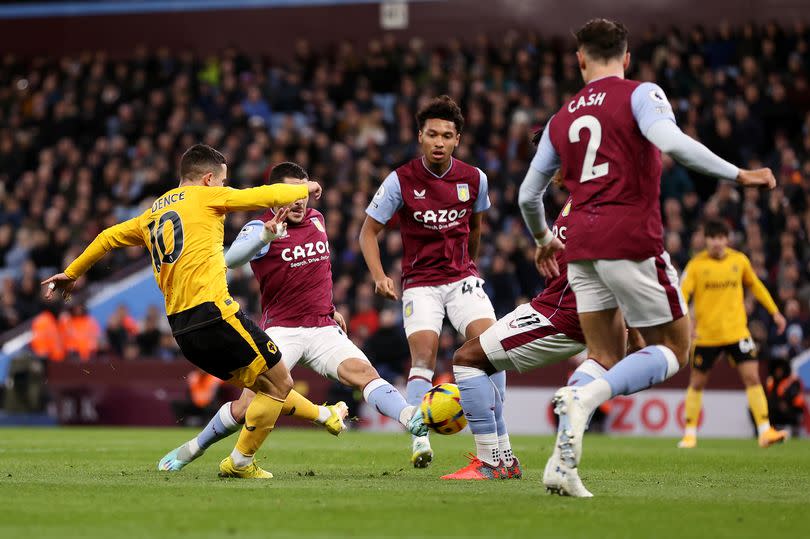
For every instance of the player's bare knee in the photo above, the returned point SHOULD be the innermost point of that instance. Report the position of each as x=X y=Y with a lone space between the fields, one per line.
x=357 y=373
x=239 y=406
x=750 y=378
x=466 y=357
x=283 y=386
x=697 y=381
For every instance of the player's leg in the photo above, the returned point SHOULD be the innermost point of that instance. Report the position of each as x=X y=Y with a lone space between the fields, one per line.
x=268 y=377
x=423 y=315
x=332 y=354
x=703 y=358
x=294 y=343
x=470 y=311
x=651 y=302
x=226 y=421
x=522 y=340
x=271 y=388
x=748 y=368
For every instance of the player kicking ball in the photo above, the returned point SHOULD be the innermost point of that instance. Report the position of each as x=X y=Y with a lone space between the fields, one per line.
x=288 y=251
x=183 y=232
x=607 y=142
x=440 y=202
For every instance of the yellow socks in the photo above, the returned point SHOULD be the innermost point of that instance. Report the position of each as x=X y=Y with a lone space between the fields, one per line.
x=260 y=419
x=301 y=407
x=694 y=400
x=759 y=407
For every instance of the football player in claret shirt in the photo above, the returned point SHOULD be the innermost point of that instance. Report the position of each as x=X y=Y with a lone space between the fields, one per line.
x=288 y=251
x=440 y=203
x=716 y=278
x=183 y=231
x=607 y=142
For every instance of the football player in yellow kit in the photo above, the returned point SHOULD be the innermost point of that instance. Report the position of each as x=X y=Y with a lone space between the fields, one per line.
x=183 y=232
x=715 y=278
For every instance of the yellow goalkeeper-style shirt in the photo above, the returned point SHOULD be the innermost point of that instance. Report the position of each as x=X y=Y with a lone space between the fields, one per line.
x=183 y=231
x=717 y=287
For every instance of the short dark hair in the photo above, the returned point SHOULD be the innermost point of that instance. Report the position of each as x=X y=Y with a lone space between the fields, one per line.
x=714 y=228
x=287 y=169
x=198 y=160
x=441 y=108
x=602 y=39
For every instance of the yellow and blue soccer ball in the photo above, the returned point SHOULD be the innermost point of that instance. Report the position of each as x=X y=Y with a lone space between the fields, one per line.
x=441 y=409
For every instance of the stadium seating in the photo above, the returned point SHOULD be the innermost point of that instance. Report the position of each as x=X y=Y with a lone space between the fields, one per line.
x=88 y=140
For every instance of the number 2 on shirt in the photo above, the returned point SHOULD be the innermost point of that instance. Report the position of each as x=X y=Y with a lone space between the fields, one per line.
x=589 y=170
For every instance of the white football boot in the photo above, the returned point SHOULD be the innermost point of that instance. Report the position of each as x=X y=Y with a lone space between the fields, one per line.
x=561 y=475
x=559 y=479
x=422 y=454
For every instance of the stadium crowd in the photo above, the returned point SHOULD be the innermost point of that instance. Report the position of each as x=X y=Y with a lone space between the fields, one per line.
x=89 y=140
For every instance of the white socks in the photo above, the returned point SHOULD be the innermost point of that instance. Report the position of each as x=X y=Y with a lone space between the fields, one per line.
x=240 y=460
x=506 y=449
x=323 y=415
x=487 y=448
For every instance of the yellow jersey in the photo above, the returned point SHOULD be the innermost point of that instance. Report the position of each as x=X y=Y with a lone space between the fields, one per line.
x=717 y=288
x=183 y=231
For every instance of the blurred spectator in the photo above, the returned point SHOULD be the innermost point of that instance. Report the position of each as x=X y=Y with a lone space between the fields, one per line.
x=785 y=393
x=80 y=332
x=388 y=348
x=121 y=328
x=46 y=339
x=149 y=337
x=203 y=399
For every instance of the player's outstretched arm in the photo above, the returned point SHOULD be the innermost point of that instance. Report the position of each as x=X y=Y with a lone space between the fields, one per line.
x=254 y=237
x=383 y=285
x=123 y=234
x=656 y=121
x=227 y=199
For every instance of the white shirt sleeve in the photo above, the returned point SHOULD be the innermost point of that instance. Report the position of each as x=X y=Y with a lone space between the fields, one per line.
x=530 y=199
x=247 y=246
x=650 y=105
x=669 y=138
x=546 y=161
x=482 y=202
x=387 y=200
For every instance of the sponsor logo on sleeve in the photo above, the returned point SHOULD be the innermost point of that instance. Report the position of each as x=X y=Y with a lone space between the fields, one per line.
x=380 y=192
x=657 y=96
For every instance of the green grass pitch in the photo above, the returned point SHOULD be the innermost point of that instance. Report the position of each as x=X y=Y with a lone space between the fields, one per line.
x=102 y=483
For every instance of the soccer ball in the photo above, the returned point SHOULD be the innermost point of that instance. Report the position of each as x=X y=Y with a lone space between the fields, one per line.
x=441 y=409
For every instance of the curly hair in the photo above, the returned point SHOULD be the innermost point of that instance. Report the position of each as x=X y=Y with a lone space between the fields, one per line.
x=441 y=108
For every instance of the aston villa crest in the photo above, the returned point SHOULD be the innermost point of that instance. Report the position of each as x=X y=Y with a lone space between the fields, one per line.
x=463 y=190
x=317 y=224
x=566 y=209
